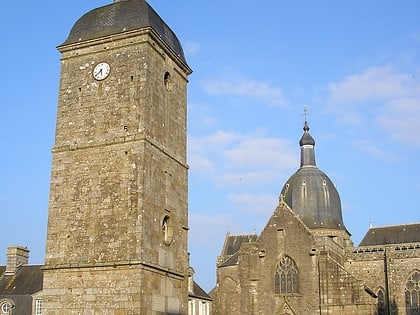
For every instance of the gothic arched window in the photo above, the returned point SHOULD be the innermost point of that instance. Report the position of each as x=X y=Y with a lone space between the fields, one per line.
x=286 y=279
x=412 y=294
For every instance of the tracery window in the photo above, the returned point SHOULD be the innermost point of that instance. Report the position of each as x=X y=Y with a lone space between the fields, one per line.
x=286 y=279
x=412 y=294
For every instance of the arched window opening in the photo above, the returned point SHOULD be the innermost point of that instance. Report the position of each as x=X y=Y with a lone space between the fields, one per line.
x=168 y=230
x=286 y=279
x=167 y=81
x=412 y=294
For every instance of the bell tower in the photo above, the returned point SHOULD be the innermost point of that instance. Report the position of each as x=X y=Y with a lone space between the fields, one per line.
x=118 y=214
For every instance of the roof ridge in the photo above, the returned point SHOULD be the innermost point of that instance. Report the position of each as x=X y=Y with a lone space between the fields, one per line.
x=394 y=225
x=243 y=234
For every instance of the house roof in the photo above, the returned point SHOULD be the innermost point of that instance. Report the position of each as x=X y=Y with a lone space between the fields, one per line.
x=392 y=234
x=198 y=292
x=26 y=280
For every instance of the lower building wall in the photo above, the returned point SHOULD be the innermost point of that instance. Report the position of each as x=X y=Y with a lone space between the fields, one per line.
x=387 y=269
x=349 y=310
x=121 y=290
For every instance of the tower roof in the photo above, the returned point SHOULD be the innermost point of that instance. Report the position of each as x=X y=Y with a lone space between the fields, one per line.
x=310 y=193
x=119 y=17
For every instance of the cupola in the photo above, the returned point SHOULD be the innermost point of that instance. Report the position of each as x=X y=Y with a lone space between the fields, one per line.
x=310 y=193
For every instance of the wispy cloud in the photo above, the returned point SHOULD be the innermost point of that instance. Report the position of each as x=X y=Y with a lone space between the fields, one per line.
x=367 y=146
x=191 y=47
x=269 y=152
x=245 y=87
x=209 y=224
x=255 y=204
x=234 y=158
x=201 y=164
x=384 y=97
x=401 y=117
x=376 y=83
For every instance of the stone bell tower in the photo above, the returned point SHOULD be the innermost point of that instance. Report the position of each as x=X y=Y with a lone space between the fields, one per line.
x=118 y=217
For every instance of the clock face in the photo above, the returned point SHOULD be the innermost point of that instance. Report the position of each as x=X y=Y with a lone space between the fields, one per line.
x=101 y=71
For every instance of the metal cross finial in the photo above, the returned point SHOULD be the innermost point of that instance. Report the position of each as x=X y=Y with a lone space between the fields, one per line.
x=305 y=112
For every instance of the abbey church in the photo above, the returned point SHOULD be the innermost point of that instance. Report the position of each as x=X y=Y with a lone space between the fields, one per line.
x=304 y=261
x=117 y=237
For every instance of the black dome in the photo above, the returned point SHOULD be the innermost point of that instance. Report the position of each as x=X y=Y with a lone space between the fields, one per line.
x=310 y=193
x=119 y=17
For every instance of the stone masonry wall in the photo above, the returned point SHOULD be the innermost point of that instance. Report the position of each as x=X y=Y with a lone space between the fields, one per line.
x=399 y=261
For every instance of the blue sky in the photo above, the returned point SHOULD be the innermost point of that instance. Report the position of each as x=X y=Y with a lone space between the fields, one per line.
x=354 y=64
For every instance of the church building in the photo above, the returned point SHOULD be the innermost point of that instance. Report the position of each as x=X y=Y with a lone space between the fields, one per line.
x=305 y=263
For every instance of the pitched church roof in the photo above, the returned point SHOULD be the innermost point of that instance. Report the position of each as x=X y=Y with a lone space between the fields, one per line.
x=392 y=234
x=231 y=247
x=310 y=193
x=234 y=242
x=119 y=17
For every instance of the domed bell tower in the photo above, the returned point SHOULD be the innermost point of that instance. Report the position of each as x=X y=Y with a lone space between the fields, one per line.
x=118 y=216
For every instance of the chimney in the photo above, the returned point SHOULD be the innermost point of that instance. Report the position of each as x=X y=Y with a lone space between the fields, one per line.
x=190 y=280
x=16 y=257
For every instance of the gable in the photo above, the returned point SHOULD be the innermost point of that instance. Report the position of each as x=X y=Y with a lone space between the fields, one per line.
x=284 y=219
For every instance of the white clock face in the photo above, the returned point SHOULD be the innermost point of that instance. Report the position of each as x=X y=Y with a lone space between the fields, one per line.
x=101 y=71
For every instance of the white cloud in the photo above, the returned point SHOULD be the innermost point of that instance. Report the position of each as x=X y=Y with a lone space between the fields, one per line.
x=208 y=224
x=376 y=83
x=235 y=158
x=212 y=142
x=261 y=152
x=401 y=118
x=367 y=146
x=201 y=163
x=381 y=97
x=255 y=204
x=191 y=47
x=260 y=91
